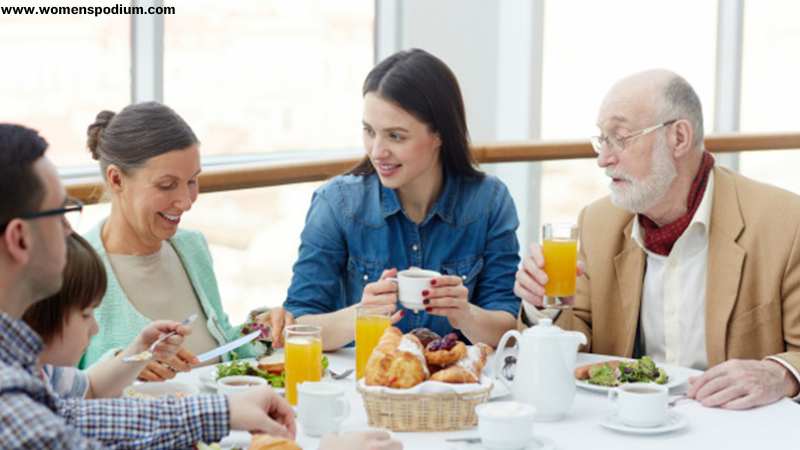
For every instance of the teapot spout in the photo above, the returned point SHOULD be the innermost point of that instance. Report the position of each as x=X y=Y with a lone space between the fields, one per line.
x=578 y=337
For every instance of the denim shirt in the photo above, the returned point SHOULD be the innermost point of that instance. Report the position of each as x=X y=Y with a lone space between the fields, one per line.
x=356 y=228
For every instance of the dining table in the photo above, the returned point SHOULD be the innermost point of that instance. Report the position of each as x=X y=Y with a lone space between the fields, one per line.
x=774 y=426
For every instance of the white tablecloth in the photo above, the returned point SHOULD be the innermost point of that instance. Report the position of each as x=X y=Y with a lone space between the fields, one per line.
x=775 y=426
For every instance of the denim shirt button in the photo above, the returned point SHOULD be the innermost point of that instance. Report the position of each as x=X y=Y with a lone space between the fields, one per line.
x=366 y=277
x=414 y=247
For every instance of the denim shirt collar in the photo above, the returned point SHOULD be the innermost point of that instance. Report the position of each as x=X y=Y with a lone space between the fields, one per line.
x=444 y=206
x=19 y=344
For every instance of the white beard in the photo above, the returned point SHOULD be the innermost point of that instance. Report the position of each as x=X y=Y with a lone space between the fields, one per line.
x=638 y=196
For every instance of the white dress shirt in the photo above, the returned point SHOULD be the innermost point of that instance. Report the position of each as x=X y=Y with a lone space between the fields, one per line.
x=672 y=315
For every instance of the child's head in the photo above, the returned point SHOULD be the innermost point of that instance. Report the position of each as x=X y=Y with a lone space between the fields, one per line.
x=66 y=321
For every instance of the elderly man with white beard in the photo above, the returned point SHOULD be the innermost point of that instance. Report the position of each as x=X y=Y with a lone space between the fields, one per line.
x=685 y=261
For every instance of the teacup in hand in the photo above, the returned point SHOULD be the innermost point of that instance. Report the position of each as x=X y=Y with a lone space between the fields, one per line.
x=642 y=405
x=410 y=284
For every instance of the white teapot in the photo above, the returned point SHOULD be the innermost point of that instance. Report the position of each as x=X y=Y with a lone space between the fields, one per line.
x=544 y=374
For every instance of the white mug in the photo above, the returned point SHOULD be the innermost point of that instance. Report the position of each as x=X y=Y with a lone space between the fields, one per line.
x=410 y=284
x=642 y=405
x=321 y=407
x=505 y=425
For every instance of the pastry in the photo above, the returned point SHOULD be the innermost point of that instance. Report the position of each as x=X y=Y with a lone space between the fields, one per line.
x=425 y=335
x=467 y=369
x=397 y=361
x=445 y=351
x=267 y=442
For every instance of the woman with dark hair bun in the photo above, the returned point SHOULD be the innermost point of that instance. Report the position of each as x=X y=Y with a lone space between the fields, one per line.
x=415 y=200
x=150 y=160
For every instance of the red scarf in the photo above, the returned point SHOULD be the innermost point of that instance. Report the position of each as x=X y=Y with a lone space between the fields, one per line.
x=660 y=240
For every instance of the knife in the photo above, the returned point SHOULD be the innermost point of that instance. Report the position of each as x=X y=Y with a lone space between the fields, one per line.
x=222 y=349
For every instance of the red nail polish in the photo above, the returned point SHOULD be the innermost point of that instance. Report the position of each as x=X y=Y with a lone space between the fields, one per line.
x=433 y=282
x=425 y=293
x=426 y=301
x=402 y=313
x=428 y=309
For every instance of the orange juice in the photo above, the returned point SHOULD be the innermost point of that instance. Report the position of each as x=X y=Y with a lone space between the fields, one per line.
x=369 y=329
x=303 y=363
x=560 y=260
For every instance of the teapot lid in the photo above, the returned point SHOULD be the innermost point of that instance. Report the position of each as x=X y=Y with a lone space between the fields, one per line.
x=544 y=327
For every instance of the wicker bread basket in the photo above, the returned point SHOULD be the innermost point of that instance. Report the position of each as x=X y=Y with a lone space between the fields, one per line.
x=423 y=412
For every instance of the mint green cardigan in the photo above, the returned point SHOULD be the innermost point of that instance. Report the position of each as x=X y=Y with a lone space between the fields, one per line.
x=120 y=322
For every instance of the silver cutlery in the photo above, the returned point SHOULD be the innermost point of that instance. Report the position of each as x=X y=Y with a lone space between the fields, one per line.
x=678 y=398
x=477 y=440
x=147 y=355
x=340 y=376
x=468 y=440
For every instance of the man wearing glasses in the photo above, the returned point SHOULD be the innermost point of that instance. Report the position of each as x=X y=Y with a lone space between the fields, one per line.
x=685 y=261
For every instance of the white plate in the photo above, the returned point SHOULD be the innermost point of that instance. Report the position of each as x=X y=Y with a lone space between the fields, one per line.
x=677 y=375
x=208 y=375
x=675 y=421
x=155 y=389
x=537 y=443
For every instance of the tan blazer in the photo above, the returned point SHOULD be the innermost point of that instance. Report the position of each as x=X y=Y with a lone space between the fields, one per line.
x=753 y=284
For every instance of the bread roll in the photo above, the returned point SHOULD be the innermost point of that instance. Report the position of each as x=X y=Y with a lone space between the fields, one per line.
x=267 y=442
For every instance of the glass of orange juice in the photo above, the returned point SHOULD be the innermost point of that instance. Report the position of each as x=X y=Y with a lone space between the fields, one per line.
x=371 y=322
x=560 y=249
x=303 y=357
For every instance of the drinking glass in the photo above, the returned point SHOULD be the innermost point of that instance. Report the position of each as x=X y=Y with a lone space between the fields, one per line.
x=560 y=249
x=371 y=322
x=303 y=353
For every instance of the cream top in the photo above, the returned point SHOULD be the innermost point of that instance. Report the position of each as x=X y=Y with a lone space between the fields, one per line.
x=159 y=288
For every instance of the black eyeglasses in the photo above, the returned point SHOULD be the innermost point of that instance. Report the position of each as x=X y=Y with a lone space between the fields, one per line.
x=71 y=210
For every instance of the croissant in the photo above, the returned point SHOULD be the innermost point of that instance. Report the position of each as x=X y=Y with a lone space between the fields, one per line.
x=467 y=369
x=397 y=361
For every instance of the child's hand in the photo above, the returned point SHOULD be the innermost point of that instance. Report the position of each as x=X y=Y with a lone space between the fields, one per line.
x=167 y=348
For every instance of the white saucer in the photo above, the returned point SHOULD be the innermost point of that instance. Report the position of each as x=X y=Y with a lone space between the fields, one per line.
x=537 y=443
x=674 y=422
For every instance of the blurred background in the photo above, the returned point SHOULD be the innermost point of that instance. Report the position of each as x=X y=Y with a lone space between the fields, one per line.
x=281 y=79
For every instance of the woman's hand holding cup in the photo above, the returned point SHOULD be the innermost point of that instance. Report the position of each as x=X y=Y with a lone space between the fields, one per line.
x=383 y=294
x=447 y=296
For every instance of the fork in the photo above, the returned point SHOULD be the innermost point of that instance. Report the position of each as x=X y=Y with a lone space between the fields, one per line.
x=340 y=376
x=674 y=400
x=147 y=355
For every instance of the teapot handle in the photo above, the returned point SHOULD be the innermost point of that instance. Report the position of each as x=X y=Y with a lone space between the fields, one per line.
x=497 y=366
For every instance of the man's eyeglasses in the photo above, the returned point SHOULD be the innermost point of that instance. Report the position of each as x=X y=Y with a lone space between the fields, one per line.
x=71 y=210
x=617 y=144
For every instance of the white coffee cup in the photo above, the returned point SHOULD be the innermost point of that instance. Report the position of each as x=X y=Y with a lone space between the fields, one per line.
x=410 y=284
x=505 y=425
x=642 y=405
x=321 y=407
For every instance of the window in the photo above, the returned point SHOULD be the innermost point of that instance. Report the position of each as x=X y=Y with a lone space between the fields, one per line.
x=590 y=45
x=770 y=98
x=59 y=71
x=263 y=76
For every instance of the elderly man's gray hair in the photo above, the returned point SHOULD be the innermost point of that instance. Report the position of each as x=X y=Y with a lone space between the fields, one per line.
x=682 y=102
